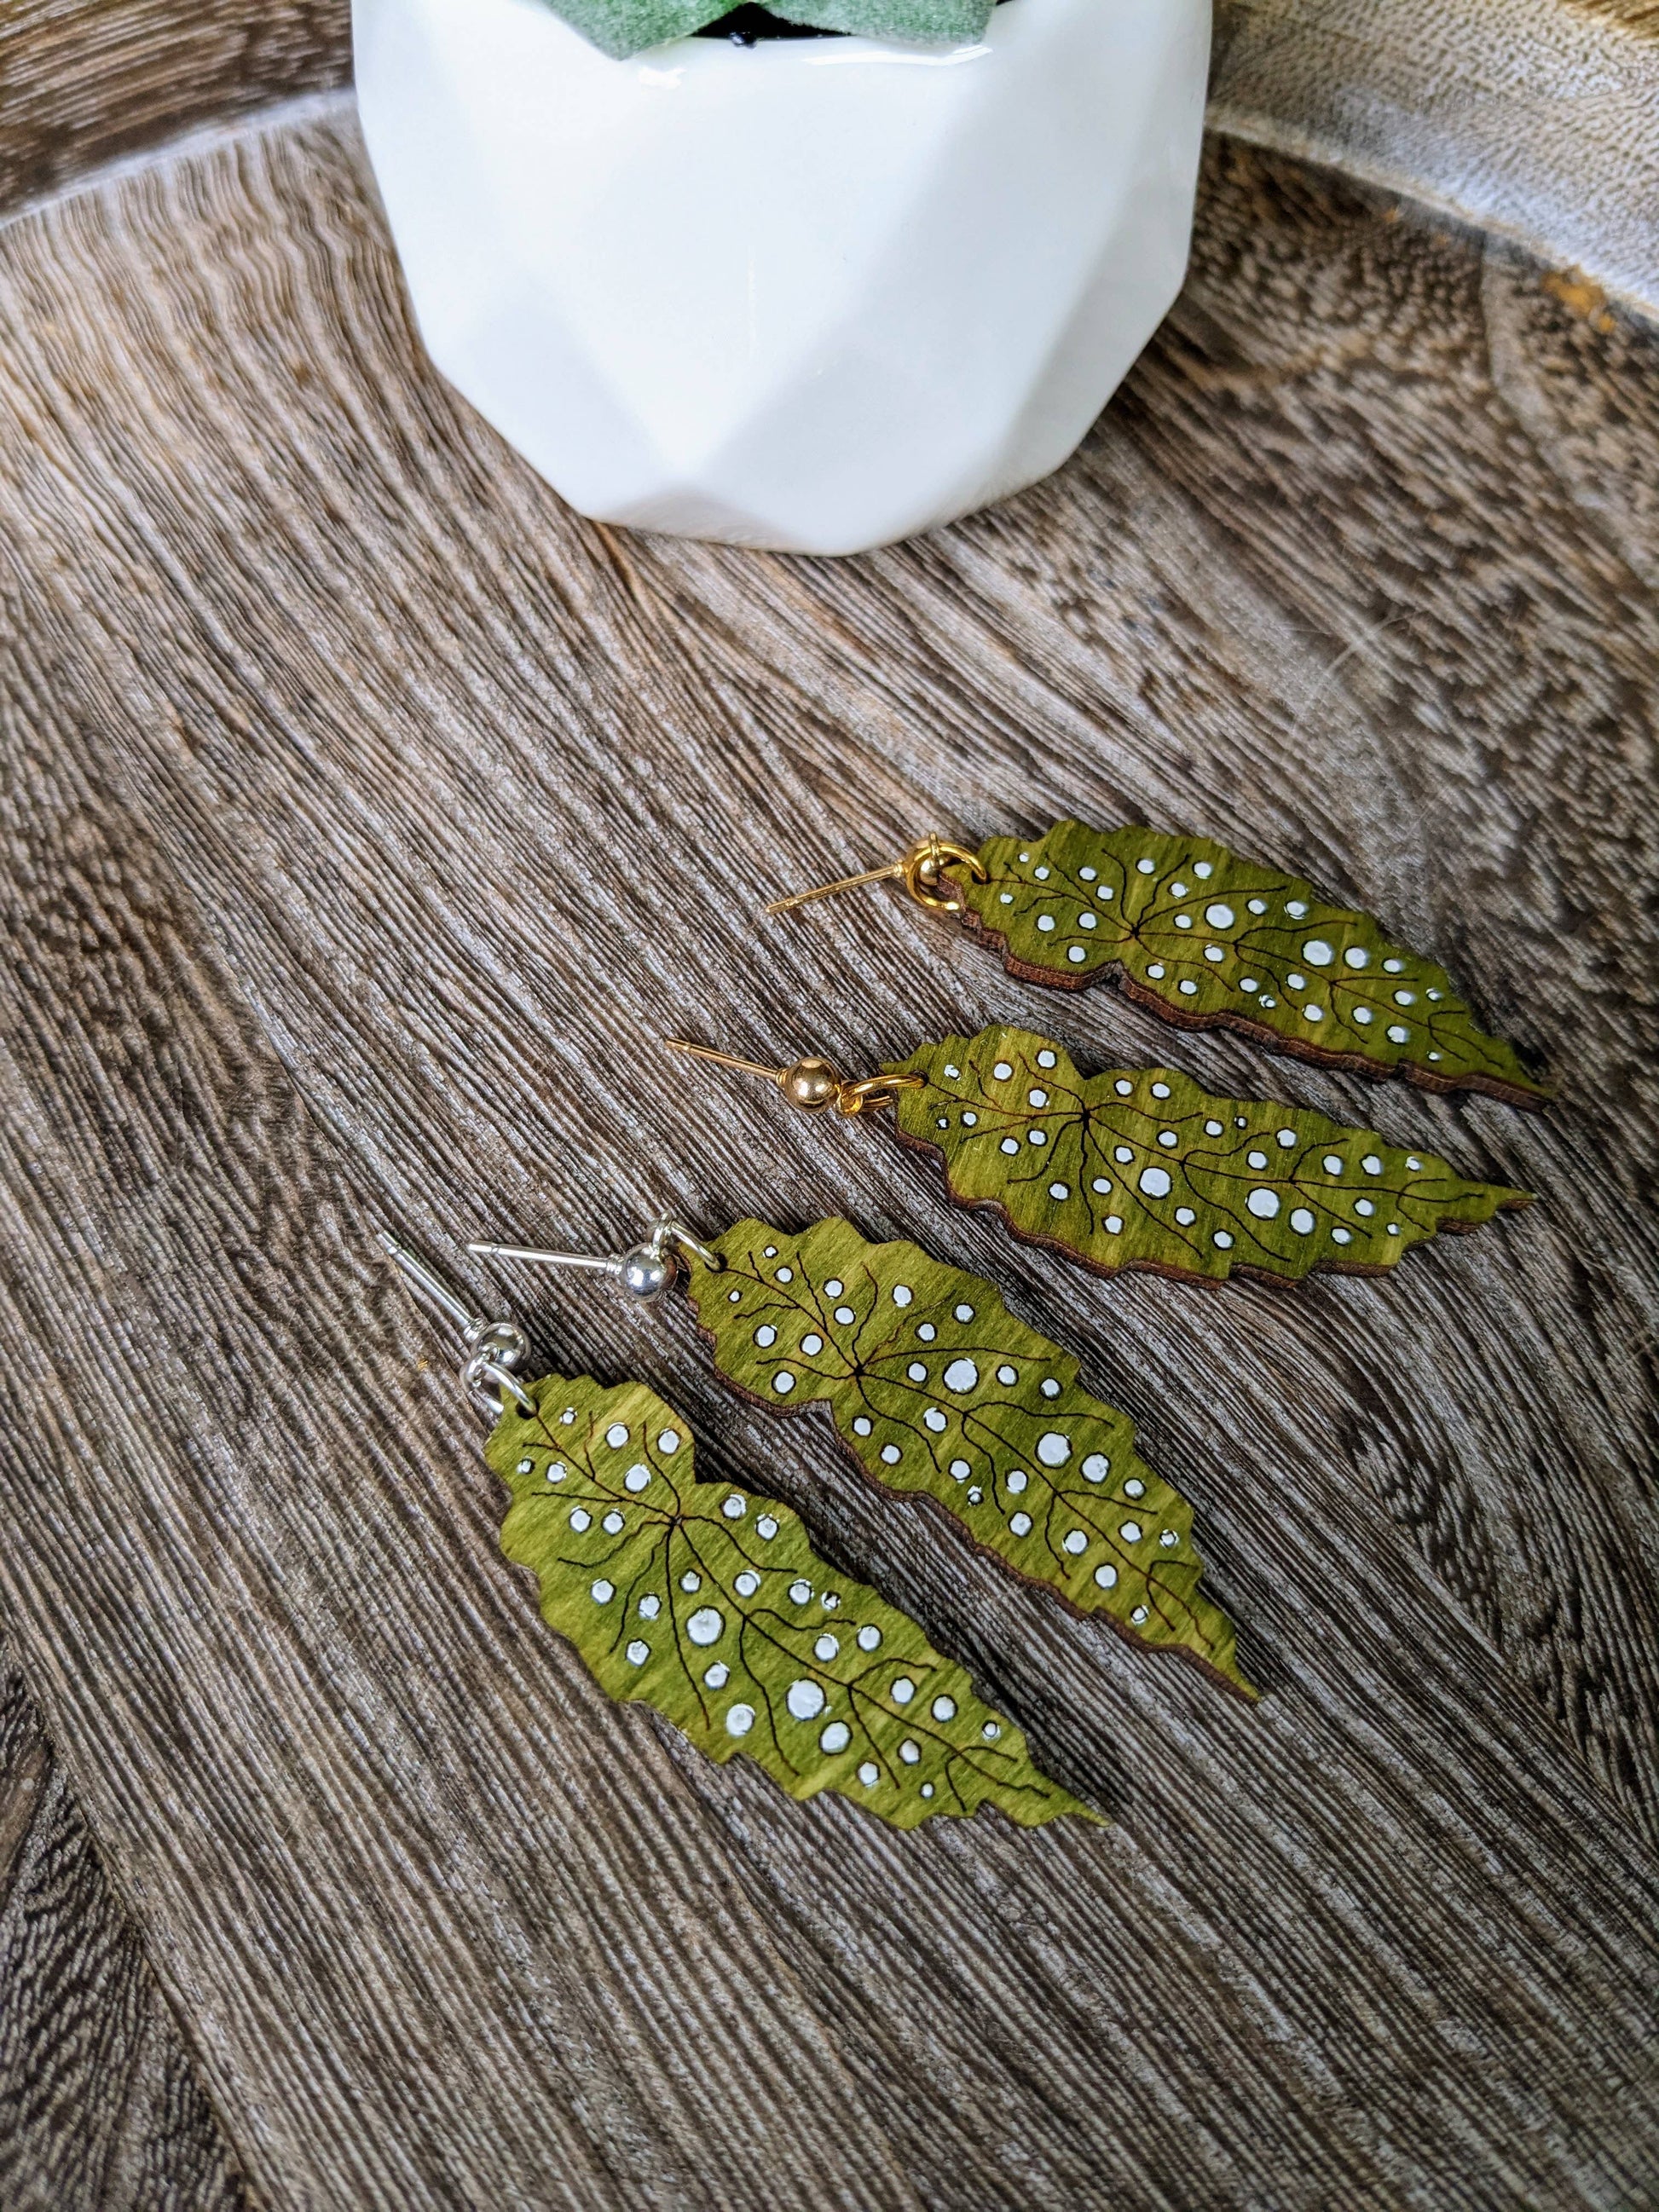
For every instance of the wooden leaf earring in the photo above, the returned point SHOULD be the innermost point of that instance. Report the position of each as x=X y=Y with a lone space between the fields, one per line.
x=1140 y=1167
x=1207 y=939
x=934 y=1388
x=709 y=1604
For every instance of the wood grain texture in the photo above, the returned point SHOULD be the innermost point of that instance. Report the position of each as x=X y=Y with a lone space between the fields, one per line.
x=1532 y=119
x=366 y=817
x=99 y=2107
x=83 y=82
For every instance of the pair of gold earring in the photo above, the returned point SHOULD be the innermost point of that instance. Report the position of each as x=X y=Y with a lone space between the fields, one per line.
x=709 y=1603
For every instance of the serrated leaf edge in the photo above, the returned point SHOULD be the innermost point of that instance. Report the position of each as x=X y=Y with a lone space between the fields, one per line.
x=805 y=1787
x=1511 y=1201
x=1237 y=1682
x=1533 y=1095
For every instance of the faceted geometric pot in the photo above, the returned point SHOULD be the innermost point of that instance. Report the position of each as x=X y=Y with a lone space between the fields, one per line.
x=813 y=294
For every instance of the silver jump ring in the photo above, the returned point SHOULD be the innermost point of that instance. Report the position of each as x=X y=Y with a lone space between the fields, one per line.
x=481 y=1370
x=666 y=1231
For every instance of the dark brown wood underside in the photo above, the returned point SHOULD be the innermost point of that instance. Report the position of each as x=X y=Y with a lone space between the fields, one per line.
x=366 y=818
x=101 y=2106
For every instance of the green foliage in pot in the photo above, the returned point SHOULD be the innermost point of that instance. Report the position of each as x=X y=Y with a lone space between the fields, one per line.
x=626 y=27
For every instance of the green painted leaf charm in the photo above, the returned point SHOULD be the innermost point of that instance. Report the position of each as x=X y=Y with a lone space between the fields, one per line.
x=933 y=1386
x=1139 y=1168
x=1207 y=939
x=710 y=1605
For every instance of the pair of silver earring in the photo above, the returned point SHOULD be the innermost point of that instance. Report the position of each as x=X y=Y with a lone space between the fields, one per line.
x=709 y=1603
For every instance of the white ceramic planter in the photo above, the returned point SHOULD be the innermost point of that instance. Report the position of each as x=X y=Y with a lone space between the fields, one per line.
x=815 y=294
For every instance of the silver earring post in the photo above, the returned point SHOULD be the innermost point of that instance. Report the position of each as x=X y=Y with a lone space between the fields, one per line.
x=494 y=1348
x=645 y=1270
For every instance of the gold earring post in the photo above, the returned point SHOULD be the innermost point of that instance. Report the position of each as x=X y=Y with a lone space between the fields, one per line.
x=726 y=1059
x=811 y=1084
x=891 y=874
x=919 y=871
x=808 y=1083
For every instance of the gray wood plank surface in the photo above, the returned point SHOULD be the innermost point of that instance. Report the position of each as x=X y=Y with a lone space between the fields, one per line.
x=367 y=818
x=86 y=81
x=101 y=2109
x=1533 y=120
